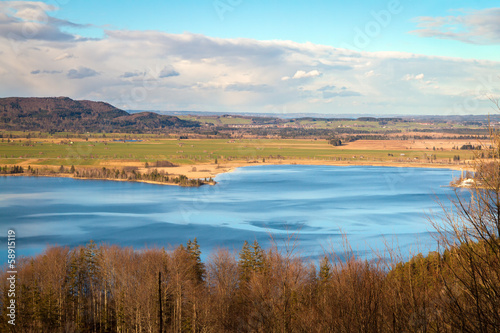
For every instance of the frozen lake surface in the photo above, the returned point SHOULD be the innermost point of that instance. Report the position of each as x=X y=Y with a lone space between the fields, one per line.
x=370 y=205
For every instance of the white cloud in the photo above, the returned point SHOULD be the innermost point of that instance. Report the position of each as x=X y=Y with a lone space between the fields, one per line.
x=474 y=27
x=29 y=20
x=302 y=75
x=63 y=56
x=410 y=77
x=370 y=73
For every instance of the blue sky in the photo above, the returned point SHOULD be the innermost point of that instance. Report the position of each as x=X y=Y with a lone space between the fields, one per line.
x=333 y=23
x=382 y=57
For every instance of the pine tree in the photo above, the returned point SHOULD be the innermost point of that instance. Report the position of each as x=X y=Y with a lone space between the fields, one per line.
x=193 y=249
x=258 y=257
x=75 y=282
x=245 y=263
x=252 y=260
x=83 y=282
x=324 y=270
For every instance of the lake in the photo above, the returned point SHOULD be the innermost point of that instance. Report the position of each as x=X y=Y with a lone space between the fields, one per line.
x=315 y=204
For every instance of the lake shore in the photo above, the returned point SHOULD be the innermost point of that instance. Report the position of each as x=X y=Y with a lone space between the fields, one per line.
x=212 y=170
x=68 y=175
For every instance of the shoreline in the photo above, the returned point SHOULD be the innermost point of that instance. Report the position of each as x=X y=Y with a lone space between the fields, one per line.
x=63 y=175
x=105 y=179
x=212 y=170
x=215 y=170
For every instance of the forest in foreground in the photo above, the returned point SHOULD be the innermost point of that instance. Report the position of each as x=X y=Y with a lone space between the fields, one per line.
x=102 y=288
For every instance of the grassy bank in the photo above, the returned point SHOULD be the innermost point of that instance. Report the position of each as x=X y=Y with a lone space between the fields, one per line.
x=208 y=153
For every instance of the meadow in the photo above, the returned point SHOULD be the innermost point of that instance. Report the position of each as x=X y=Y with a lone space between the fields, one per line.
x=322 y=123
x=106 y=151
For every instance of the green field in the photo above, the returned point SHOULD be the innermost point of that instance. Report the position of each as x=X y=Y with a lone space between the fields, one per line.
x=217 y=120
x=369 y=126
x=202 y=151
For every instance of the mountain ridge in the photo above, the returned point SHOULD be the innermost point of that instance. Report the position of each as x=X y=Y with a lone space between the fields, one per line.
x=66 y=114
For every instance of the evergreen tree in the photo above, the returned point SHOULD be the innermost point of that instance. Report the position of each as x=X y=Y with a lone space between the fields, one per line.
x=252 y=260
x=245 y=264
x=258 y=257
x=324 y=270
x=83 y=281
x=193 y=249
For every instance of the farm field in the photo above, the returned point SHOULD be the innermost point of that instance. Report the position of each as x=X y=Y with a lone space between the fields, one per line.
x=321 y=123
x=198 y=158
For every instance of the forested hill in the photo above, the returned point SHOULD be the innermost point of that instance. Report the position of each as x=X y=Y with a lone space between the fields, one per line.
x=65 y=114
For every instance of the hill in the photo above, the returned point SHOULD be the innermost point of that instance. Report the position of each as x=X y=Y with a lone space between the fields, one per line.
x=64 y=114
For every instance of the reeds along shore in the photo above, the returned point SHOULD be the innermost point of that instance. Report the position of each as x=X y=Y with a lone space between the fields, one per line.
x=124 y=174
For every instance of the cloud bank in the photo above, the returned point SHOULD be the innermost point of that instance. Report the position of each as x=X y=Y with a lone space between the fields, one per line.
x=162 y=71
x=474 y=27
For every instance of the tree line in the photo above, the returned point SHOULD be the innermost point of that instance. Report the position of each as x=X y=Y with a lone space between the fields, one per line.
x=126 y=173
x=337 y=141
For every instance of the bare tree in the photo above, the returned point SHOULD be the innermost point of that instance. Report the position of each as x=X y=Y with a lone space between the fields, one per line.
x=469 y=232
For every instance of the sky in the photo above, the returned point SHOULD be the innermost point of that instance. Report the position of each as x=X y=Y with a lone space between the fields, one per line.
x=391 y=57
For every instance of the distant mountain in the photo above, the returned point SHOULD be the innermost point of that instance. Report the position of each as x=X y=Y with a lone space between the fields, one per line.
x=282 y=115
x=64 y=114
x=338 y=116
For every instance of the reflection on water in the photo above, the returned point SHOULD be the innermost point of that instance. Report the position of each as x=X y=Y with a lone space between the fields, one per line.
x=369 y=205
